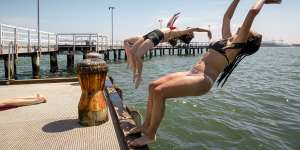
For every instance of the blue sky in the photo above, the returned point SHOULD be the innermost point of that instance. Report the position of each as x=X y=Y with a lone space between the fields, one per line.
x=137 y=17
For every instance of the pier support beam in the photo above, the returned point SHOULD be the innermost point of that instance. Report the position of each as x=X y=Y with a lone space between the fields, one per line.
x=70 y=62
x=35 y=62
x=53 y=62
x=154 y=51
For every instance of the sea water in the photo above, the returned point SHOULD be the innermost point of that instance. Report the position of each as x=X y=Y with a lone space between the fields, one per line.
x=258 y=107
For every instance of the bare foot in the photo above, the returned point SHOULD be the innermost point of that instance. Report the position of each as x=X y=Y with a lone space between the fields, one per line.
x=135 y=130
x=142 y=141
x=41 y=98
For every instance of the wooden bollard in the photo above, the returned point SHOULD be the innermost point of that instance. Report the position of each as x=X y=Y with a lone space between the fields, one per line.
x=92 y=107
x=70 y=62
x=53 y=62
x=35 y=62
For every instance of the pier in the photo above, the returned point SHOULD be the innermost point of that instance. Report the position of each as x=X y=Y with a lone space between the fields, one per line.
x=23 y=42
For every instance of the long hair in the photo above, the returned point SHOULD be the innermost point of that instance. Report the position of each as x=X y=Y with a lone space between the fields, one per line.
x=250 y=47
x=173 y=42
x=187 y=38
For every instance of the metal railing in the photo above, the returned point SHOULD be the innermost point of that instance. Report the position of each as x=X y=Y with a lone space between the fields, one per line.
x=25 y=40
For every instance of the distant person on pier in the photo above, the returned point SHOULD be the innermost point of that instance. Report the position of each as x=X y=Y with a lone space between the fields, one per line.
x=136 y=47
x=220 y=60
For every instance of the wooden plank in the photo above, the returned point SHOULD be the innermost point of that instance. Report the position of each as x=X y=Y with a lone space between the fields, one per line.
x=125 y=120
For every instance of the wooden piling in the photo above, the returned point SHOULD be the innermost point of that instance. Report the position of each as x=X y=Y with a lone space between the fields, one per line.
x=154 y=51
x=70 y=62
x=151 y=53
x=53 y=62
x=13 y=68
x=35 y=62
x=125 y=55
x=115 y=54
x=119 y=54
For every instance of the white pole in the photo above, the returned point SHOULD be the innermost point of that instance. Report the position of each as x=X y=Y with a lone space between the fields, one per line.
x=97 y=42
x=38 y=22
x=29 y=41
x=112 y=25
x=0 y=34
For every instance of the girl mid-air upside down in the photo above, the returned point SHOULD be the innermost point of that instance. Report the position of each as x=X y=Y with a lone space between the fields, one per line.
x=136 y=47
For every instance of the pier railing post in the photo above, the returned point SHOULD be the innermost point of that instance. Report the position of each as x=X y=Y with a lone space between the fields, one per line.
x=29 y=42
x=97 y=44
x=48 y=42
x=1 y=47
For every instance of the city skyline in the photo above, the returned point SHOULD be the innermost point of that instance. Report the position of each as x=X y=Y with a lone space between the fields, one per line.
x=275 y=22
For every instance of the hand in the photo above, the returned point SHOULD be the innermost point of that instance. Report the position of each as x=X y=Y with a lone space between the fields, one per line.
x=272 y=1
x=177 y=14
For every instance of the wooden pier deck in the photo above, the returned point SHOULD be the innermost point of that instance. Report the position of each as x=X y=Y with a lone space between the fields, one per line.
x=54 y=125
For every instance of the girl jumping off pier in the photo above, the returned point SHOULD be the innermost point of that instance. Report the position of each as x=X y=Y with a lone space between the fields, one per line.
x=221 y=59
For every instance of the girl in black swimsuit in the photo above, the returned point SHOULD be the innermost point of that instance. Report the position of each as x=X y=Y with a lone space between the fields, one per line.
x=136 y=47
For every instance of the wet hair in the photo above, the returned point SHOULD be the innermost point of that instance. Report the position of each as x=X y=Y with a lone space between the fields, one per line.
x=250 y=47
x=173 y=42
x=186 y=38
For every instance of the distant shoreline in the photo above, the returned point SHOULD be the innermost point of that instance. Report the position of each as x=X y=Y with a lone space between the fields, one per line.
x=279 y=45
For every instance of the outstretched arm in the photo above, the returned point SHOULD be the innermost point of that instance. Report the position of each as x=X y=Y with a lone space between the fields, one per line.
x=226 y=33
x=173 y=19
x=253 y=12
x=191 y=30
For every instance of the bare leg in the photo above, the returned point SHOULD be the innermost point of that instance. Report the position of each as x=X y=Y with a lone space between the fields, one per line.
x=23 y=101
x=185 y=85
x=128 y=45
x=150 y=99
x=141 y=50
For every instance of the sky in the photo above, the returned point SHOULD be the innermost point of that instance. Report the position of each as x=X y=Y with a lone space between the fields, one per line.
x=137 y=17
